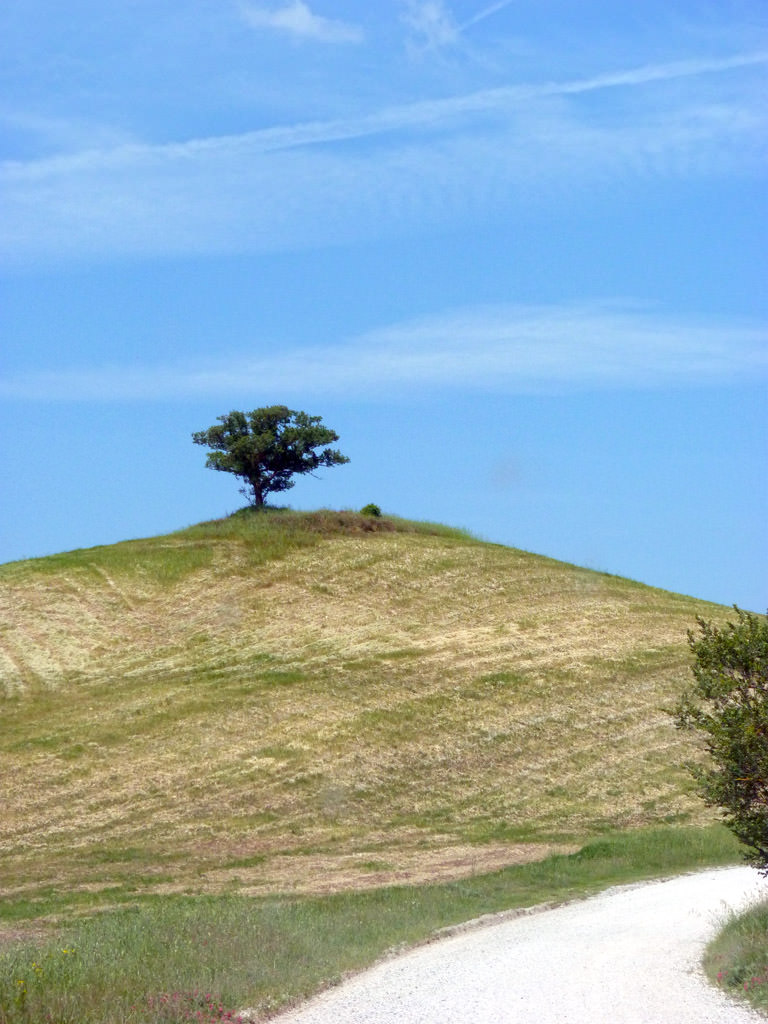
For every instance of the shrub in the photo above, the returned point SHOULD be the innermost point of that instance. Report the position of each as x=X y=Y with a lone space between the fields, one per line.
x=728 y=706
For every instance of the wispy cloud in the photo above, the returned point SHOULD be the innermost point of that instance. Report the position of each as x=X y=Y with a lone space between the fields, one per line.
x=426 y=113
x=298 y=20
x=484 y=13
x=508 y=349
x=430 y=24
x=288 y=187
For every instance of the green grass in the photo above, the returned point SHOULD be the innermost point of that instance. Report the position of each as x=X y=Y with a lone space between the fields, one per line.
x=273 y=532
x=737 y=958
x=115 y=966
x=265 y=535
x=137 y=559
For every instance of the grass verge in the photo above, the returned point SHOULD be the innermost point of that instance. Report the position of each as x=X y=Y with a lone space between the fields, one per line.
x=737 y=959
x=204 y=958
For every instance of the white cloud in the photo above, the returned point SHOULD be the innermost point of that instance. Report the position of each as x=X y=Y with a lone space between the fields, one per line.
x=461 y=158
x=431 y=25
x=579 y=345
x=508 y=349
x=298 y=20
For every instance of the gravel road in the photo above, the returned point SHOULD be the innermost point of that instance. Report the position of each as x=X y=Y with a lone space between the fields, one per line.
x=627 y=956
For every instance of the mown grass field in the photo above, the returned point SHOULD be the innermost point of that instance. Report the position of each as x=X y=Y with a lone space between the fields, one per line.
x=314 y=702
x=345 y=731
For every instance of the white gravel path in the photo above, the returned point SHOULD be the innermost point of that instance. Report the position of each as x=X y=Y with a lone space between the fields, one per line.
x=628 y=956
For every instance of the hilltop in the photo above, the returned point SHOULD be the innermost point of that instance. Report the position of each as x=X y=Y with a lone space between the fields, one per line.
x=310 y=701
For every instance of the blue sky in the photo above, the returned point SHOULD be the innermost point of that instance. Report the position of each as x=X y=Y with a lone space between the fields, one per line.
x=513 y=252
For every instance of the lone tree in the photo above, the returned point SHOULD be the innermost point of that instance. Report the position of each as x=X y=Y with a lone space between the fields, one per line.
x=728 y=705
x=266 y=447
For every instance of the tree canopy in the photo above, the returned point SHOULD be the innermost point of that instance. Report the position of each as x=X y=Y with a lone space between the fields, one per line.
x=728 y=705
x=267 y=447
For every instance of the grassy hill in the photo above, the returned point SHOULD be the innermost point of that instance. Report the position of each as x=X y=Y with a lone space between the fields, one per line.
x=317 y=701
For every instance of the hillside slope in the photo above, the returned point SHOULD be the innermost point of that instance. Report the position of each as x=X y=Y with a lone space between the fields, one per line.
x=319 y=700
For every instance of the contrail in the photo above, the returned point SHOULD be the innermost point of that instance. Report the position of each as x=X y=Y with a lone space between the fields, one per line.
x=485 y=13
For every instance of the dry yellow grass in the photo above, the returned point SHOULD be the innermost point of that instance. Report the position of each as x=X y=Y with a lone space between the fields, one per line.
x=185 y=713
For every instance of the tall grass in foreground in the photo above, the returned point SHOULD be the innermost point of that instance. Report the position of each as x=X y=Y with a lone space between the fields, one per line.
x=737 y=959
x=175 y=959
